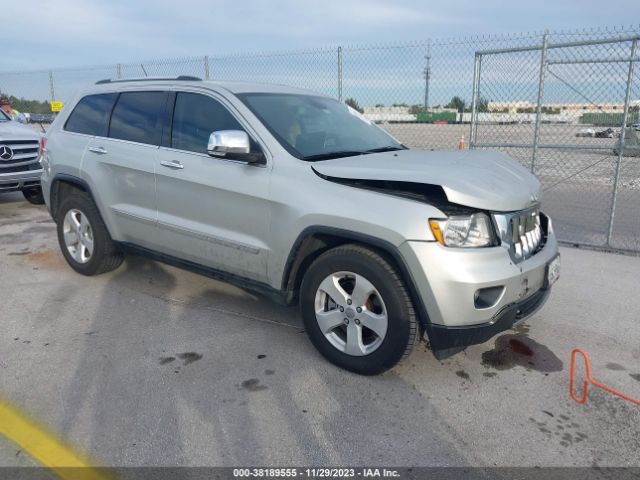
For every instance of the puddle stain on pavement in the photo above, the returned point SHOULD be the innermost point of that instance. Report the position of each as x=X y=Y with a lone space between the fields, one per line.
x=511 y=350
x=253 y=385
x=187 y=358
x=562 y=428
x=615 y=366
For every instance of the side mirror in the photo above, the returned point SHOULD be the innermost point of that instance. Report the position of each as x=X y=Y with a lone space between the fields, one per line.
x=234 y=145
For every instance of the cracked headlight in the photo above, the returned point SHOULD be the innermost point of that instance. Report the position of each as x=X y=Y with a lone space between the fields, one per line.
x=468 y=231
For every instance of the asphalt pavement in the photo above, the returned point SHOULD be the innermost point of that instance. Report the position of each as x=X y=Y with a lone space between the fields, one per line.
x=151 y=365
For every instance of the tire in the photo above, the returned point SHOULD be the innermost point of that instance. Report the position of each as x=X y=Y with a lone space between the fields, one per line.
x=74 y=214
x=352 y=345
x=33 y=195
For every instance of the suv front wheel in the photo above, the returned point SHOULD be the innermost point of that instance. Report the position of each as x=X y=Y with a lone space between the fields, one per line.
x=357 y=311
x=83 y=237
x=33 y=195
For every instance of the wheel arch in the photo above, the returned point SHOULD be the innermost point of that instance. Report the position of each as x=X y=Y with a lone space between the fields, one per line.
x=61 y=185
x=315 y=240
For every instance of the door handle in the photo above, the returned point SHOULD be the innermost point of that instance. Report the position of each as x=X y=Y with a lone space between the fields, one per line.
x=172 y=164
x=98 y=150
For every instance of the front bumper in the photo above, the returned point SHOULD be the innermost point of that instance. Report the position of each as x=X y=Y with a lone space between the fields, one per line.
x=11 y=182
x=447 y=280
x=446 y=341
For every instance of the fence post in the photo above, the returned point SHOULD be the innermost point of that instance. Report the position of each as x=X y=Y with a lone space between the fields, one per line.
x=340 y=74
x=625 y=117
x=474 y=101
x=51 y=89
x=119 y=71
x=206 y=67
x=543 y=68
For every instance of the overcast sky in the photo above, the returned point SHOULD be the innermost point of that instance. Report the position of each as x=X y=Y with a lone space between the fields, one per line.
x=39 y=34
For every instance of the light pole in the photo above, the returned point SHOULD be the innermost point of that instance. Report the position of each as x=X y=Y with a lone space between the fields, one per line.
x=427 y=76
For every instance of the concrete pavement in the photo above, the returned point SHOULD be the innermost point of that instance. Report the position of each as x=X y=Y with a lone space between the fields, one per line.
x=150 y=365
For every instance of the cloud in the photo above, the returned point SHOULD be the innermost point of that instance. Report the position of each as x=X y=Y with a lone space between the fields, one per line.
x=45 y=33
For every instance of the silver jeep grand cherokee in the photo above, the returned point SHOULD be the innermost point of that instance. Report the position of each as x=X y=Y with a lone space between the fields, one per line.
x=297 y=196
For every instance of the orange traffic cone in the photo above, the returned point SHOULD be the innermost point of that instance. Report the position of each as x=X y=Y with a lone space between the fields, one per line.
x=461 y=144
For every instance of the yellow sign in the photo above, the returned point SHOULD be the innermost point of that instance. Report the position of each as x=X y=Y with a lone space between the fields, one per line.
x=56 y=106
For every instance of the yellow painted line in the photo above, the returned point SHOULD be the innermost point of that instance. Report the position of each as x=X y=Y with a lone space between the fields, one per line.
x=44 y=447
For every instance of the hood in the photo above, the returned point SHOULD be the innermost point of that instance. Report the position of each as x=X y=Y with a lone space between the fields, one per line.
x=475 y=178
x=16 y=131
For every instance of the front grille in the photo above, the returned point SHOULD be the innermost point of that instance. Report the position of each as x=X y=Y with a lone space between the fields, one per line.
x=25 y=153
x=523 y=233
x=526 y=234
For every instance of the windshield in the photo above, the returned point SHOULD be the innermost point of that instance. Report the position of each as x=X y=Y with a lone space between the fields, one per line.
x=318 y=128
x=3 y=116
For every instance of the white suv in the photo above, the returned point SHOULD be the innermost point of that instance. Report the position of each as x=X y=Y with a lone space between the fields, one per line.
x=300 y=197
x=19 y=155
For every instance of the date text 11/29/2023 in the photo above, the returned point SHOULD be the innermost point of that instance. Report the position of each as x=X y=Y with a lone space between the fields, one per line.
x=315 y=472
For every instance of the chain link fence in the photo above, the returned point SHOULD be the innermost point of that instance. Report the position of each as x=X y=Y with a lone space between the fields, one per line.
x=554 y=101
x=575 y=96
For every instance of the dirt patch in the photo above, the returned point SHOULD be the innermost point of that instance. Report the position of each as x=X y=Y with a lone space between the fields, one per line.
x=511 y=350
x=46 y=259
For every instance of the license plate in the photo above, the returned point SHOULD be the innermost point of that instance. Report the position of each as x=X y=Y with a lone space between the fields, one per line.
x=553 y=271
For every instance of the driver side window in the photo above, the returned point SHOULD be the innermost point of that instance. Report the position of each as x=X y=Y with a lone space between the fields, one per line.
x=195 y=116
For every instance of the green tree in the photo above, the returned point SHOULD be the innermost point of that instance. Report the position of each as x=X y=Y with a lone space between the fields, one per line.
x=458 y=103
x=354 y=104
x=28 y=106
x=483 y=104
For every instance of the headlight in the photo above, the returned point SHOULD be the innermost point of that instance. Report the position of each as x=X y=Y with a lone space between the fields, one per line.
x=467 y=231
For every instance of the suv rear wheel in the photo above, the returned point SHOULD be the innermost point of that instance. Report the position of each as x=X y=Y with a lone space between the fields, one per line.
x=356 y=310
x=84 y=240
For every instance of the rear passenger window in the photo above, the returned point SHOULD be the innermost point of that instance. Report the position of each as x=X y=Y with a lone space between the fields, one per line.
x=137 y=117
x=194 y=118
x=91 y=115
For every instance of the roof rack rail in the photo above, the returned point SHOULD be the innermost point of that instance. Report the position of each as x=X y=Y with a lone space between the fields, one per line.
x=185 y=78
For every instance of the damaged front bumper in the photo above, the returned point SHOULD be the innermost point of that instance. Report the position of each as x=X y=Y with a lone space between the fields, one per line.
x=472 y=294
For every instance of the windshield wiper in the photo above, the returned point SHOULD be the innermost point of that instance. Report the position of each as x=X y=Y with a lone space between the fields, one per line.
x=388 y=148
x=330 y=155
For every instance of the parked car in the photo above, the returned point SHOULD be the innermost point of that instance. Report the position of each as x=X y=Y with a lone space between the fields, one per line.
x=20 y=169
x=586 y=132
x=41 y=118
x=607 y=133
x=298 y=196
